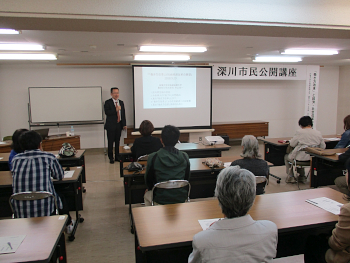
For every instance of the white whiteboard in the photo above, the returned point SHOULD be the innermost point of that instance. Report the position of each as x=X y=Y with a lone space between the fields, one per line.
x=65 y=104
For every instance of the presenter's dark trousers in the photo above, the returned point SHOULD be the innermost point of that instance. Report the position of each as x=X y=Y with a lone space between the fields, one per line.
x=113 y=137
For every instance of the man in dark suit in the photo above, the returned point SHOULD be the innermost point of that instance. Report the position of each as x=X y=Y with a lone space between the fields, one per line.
x=115 y=122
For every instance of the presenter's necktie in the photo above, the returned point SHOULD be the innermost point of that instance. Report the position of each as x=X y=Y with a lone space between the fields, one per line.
x=116 y=106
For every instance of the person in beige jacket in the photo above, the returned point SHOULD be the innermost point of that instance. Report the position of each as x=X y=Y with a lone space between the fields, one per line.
x=305 y=137
x=337 y=249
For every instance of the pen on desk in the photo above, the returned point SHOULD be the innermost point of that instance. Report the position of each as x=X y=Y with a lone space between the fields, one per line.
x=214 y=222
x=9 y=243
x=312 y=202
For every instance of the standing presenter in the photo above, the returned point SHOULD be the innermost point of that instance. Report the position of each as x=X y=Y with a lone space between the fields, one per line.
x=115 y=122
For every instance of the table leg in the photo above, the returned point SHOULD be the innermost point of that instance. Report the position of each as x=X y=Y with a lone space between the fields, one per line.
x=79 y=219
x=61 y=249
x=140 y=257
x=266 y=158
x=132 y=229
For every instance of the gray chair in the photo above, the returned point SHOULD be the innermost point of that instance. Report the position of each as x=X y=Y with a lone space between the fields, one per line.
x=261 y=179
x=143 y=158
x=295 y=164
x=7 y=138
x=31 y=196
x=173 y=184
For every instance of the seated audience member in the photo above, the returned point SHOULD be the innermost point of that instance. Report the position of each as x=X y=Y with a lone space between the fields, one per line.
x=16 y=148
x=236 y=238
x=32 y=171
x=345 y=137
x=167 y=164
x=336 y=248
x=147 y=143
x=250 y=161
x=340 y=181
x=305 y=137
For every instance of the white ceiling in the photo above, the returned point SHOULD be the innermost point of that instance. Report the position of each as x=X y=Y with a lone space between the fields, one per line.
x=83 y=47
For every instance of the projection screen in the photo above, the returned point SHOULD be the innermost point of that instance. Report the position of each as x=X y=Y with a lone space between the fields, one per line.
x=176 y=95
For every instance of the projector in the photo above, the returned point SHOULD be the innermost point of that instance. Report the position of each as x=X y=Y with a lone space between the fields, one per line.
x=212 y=140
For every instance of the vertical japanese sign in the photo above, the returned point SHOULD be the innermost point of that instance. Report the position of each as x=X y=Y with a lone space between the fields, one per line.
x=312 y=84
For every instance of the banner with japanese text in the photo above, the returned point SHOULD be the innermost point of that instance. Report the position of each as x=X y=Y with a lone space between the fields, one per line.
x=259 y=71
x=312 y=84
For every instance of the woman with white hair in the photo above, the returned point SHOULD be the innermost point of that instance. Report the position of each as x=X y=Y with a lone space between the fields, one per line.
x=251 y=161
x=236 y=238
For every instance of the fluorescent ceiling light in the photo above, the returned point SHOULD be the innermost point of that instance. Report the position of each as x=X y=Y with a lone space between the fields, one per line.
x=19 y=56
x=8 y=31
x=310 y=52
x=172 y=49
x=17 y=46
x=277 y=59
x=162 y=57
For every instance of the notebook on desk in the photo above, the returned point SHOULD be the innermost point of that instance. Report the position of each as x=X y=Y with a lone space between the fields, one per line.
x=44 y=133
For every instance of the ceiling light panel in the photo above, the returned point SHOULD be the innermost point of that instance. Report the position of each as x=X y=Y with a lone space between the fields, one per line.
x=310 y=52
x=172 y=49
x=21 y=47
x=6 y=31
x=19 y=56
x=277 y=59
x=162 y=57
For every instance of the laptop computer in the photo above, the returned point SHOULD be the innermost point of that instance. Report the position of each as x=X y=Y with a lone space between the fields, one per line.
x=44 y=133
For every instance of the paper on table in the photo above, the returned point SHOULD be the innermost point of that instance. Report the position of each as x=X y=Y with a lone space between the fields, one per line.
x=206 y=223
x=326 y=204
x=2 y=142
x=332 y=139
x=68 y=174
x=10 y=244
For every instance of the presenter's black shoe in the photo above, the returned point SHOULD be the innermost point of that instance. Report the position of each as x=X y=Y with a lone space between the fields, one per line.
x=111 y=161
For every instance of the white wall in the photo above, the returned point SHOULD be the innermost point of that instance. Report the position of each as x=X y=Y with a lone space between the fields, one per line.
x=15 y=80
x=279 y=102
x=328 y=100
x=343 y=97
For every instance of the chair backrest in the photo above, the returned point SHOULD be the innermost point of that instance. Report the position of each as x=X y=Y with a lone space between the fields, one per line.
x=7 y=138
x=261 y=179
x=31 y=196
x=173 y=184
x=143 y=158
